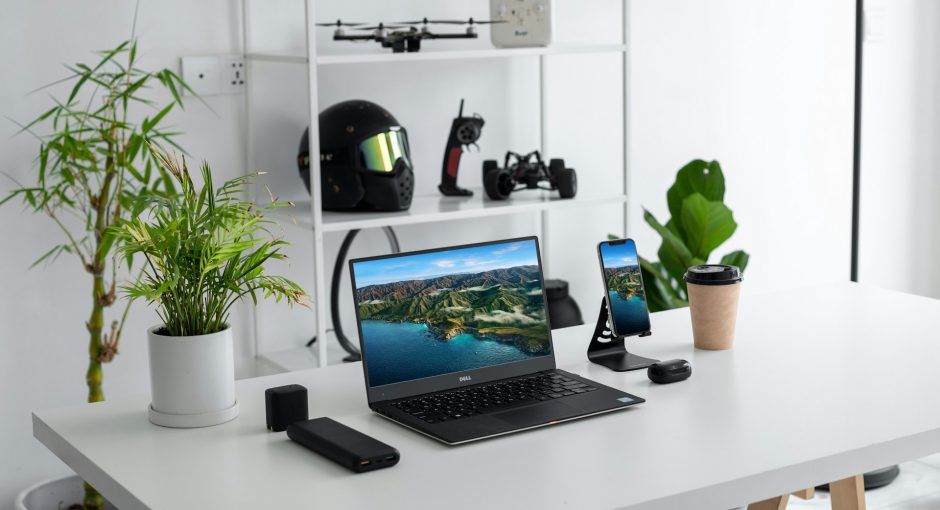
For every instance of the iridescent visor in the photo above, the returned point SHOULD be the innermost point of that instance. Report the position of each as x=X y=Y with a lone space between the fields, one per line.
x=380 y=152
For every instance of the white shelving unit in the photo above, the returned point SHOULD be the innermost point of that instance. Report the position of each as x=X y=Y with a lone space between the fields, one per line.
x=435 y=207
x=424 y=208
x=360 y=57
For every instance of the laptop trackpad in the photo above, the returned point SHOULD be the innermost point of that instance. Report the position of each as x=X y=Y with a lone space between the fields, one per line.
x=537 y=414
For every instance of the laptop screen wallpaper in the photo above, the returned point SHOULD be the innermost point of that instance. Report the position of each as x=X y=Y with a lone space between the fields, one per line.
x=448 y=311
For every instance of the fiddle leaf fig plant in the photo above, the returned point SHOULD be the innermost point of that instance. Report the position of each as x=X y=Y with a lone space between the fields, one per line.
x=204 y=250
x=700 y=222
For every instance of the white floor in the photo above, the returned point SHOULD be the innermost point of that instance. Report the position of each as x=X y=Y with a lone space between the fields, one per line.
x=916 y=488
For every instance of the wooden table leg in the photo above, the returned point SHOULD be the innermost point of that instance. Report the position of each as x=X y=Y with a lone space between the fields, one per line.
x=777 y=503
x=848 y=494
x=809 y=493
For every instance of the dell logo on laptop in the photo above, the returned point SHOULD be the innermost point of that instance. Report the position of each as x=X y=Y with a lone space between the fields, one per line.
x=464 y=378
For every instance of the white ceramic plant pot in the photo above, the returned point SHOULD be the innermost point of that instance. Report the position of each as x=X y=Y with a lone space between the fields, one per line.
x=192 y=379
x=51 y=494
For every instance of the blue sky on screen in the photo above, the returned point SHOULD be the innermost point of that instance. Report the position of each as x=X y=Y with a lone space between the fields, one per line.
x=430 y=265
x=619 y=255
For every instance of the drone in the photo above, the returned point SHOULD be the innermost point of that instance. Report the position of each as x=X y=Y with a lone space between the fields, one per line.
x=403 y=36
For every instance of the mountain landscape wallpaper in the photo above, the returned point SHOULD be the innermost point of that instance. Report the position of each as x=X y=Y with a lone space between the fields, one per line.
x=441 y=312
x=626 y=296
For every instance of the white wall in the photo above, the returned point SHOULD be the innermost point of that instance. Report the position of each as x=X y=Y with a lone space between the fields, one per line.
x=760 y=86
x=766 y=89
x=900 y=180
x=43 y=310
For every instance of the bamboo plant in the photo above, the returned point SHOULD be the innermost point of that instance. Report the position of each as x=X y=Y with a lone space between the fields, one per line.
x=96 y=168
x=204 y=250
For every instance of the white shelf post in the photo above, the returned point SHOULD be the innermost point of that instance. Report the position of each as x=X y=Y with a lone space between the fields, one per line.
x=543 y=148
x=319 y=274
x=626 y=117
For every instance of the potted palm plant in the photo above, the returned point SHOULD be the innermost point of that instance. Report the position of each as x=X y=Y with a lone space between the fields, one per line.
x=95 y=169
x=203 y=251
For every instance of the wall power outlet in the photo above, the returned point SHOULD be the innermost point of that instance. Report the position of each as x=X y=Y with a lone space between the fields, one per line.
x=212 y=75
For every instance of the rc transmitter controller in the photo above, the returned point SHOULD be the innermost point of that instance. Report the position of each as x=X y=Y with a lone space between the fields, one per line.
x=464 y=131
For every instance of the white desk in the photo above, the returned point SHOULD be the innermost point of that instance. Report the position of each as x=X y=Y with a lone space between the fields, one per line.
x=810 y=393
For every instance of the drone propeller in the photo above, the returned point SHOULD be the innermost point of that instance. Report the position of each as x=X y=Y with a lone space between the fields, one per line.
x=469 y=21
x=382 y=26
x=339 y=23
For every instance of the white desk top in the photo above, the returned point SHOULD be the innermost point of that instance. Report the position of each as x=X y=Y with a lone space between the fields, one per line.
x=812 y=392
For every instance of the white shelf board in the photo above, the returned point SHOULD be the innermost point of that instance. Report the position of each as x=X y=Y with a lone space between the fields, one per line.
x=291 y=360
x=389 y=57
x=302 y=358
x=436 y=207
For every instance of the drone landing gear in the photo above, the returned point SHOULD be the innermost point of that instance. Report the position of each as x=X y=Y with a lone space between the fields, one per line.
x=612 y=353
x=404 y=44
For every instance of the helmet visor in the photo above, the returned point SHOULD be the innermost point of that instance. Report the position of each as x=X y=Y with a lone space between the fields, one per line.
x=379 y=152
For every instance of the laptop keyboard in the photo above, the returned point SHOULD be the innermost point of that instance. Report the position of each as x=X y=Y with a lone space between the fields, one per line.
x=489 y=397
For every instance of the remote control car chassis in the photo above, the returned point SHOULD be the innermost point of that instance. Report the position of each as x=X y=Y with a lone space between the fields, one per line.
x=528 y=171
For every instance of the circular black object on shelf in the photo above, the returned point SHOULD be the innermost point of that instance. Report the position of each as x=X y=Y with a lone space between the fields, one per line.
x=713 y=274
x=563 y=311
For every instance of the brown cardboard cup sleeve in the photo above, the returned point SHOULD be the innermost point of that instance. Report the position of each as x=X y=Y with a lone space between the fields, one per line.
x=714 y=291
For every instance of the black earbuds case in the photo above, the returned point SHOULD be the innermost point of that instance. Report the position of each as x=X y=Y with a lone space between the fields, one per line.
x=669 y=371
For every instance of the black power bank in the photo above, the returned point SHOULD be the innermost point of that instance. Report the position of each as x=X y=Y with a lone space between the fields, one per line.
x=345 y=446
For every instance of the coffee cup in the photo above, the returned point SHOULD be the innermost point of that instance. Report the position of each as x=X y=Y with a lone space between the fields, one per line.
x=713 y=291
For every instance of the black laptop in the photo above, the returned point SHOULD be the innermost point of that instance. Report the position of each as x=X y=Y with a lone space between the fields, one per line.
x=456 y=344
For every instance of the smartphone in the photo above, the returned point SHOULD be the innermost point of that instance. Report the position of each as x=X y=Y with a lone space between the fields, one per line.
x=623 y=286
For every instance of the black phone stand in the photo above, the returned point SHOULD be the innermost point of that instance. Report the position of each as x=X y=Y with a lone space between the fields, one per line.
x=612 y=353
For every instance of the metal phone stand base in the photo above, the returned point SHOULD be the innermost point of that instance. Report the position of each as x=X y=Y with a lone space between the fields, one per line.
x=611 y=352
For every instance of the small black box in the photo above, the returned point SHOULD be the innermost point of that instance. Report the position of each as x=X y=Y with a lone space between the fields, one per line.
x=285 y=405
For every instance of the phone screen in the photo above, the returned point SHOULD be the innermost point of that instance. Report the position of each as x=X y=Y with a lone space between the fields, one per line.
x=626 y=299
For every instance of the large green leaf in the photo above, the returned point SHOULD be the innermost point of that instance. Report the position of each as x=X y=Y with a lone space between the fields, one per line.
x=706 y=223
x=698 y=176
x=660 y=292
x=736 y=258
x=673 y=253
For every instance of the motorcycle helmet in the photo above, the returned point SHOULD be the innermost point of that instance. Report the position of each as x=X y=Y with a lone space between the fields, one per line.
x=365 y=162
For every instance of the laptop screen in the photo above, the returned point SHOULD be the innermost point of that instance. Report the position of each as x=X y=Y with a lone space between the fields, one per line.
x=439 y=312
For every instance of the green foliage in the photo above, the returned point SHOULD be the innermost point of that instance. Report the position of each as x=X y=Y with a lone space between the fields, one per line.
x=95 y=169
x=205 y=250
x=95 y=166
x=700 y=223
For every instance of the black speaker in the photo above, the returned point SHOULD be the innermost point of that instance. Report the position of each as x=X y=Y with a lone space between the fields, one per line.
x=285 y=405
x=562 y=309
